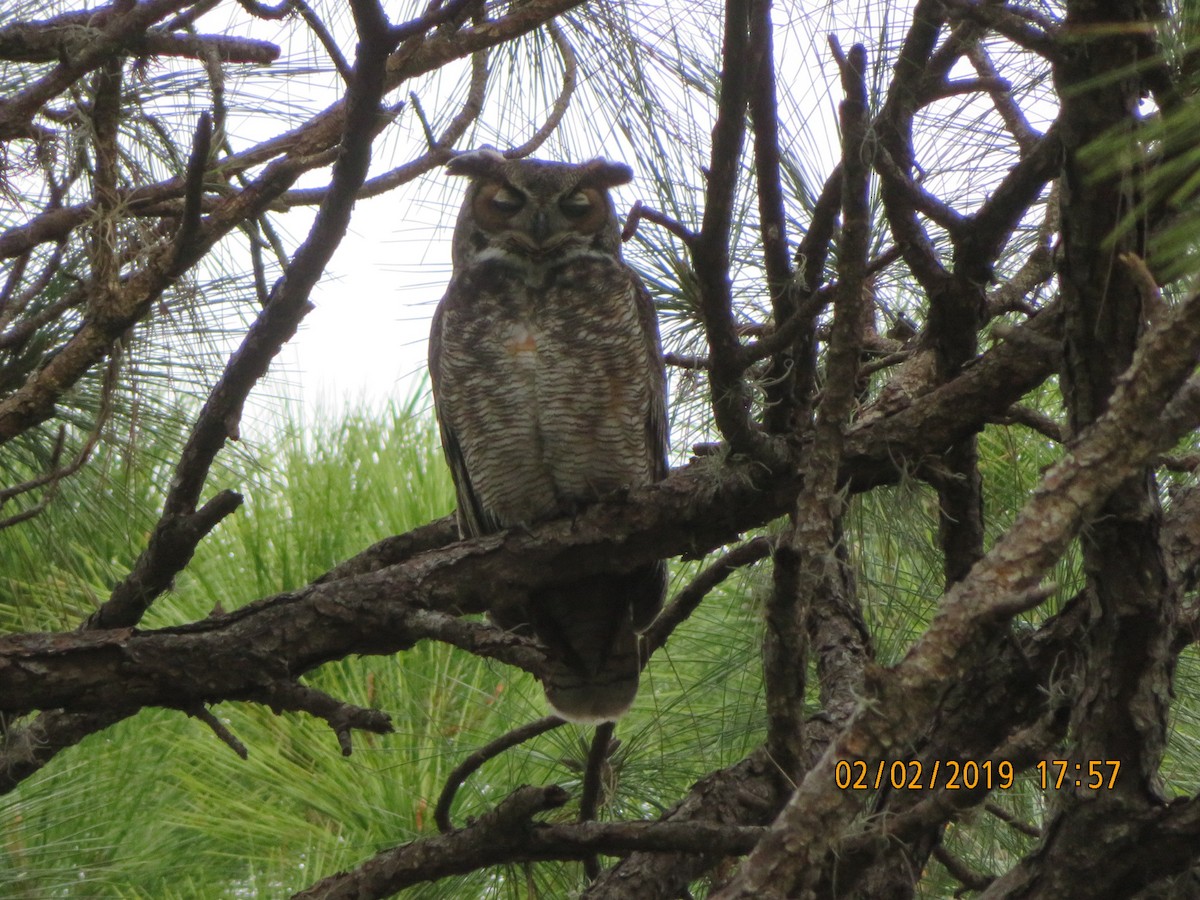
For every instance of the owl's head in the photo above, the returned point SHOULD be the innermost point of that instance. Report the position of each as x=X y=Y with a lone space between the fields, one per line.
x=534 y=210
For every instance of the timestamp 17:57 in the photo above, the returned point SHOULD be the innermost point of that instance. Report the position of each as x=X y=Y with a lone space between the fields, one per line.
x=1093 y=774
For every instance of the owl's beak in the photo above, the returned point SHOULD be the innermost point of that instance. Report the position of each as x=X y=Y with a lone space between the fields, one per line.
x=539 y=228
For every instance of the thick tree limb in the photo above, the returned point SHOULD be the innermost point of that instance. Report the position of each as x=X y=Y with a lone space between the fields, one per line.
x=48 y=42
x=1122 y=705
x=507 y=834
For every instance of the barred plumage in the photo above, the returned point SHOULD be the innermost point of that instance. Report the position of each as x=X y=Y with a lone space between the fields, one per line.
x=550 y=392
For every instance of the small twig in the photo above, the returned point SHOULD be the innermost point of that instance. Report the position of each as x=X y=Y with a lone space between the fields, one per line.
x=689 y=598
x=682 y=361
x=342 y=717
x=189 y=223
x=471 y=107
x=435 y=15
x=1153 y=305
x=640 y=211
x=1025 y=28
x=263 y=11
x=1032 y=418
x=189 y=16
x=960 y=871
x=980 y=85
x=1002 y=98
x=32 y=484
x=15 y=274
x=419 y=111
x=917 y=197
x=1009 y=819
x=1003 y=331
x=464 y=770
x=570 y=67
x=593 y=786
x=204 y=714
x=1036 y=270
x=884 y=362
x=593 y=773
x=983 y=236
x=480 y=639
x=170 y=548
x=8 y=312
x=55 y=475
x=331 y=48
x=776 y=339
x=273 y=239
x=256 y=244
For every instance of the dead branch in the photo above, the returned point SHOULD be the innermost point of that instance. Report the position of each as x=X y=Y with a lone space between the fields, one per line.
x=592 y=794
x=570 y=64
x=686 y=601
x=640 y=211
x=470 y=765
x=710 y=251
x=508 y=834
x=48 y=42
x=342 y=717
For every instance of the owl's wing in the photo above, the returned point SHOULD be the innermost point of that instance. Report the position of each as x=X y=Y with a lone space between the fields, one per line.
x=647 y=587
x=473 y=518
x=657 y=428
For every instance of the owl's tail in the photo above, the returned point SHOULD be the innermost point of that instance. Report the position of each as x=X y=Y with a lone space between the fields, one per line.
x=590 y=630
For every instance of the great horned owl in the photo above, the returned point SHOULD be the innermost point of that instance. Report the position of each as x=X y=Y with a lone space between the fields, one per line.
x=550 y=392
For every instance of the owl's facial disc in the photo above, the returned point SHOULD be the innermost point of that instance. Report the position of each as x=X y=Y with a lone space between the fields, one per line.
x=535 y=228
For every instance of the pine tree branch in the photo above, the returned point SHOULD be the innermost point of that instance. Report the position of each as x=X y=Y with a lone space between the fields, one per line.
x=876 y=453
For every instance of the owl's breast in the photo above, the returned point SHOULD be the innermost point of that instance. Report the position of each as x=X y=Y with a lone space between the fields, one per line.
x=521 y=339
x=544 y=387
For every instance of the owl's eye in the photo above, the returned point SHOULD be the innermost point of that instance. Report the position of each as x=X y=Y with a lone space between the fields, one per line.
x=507 y=200
x=576 y=205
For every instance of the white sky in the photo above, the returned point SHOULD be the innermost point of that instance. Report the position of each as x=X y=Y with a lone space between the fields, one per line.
x=366 y=338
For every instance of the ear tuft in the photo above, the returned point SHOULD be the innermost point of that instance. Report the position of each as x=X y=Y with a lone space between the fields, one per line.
x=603 y=174
x=484 y=162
